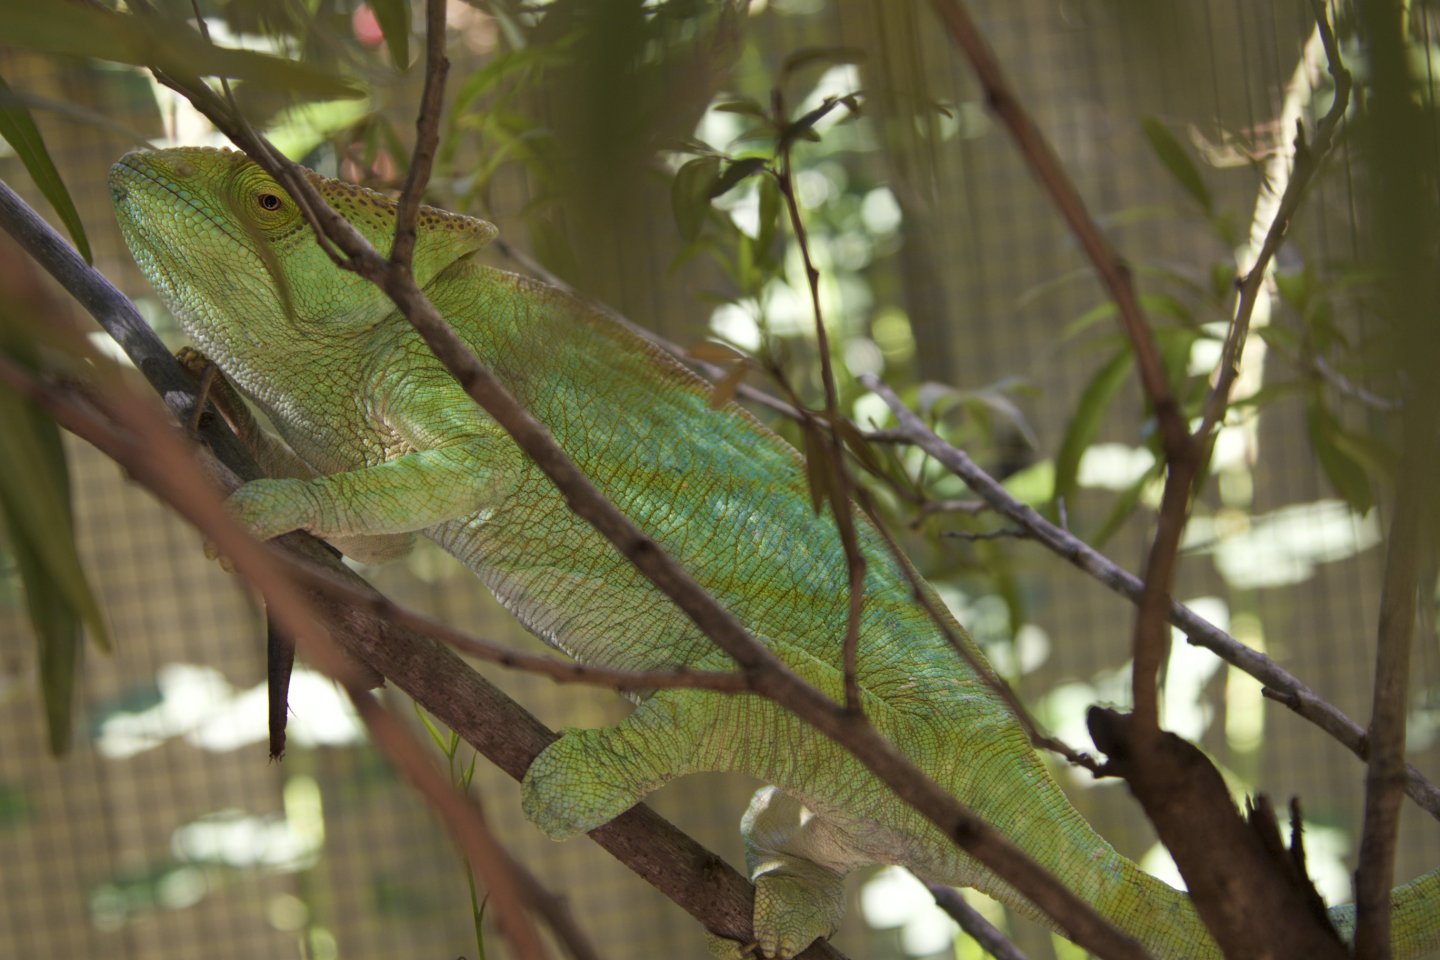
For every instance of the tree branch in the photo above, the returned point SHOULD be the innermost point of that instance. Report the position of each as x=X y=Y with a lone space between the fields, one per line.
x=1279 y=684
x=496 y=726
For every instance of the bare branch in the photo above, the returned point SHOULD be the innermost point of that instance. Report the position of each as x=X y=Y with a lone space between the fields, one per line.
x=770 y=676
x=1112 y=271
x=427 y=134
x=1279 y=684
x=693 y=877
x=980 y=930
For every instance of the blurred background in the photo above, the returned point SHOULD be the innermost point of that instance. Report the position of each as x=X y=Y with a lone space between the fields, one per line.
x=164 y=832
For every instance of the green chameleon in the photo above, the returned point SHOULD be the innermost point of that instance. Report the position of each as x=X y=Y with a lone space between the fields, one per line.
x=383 y=444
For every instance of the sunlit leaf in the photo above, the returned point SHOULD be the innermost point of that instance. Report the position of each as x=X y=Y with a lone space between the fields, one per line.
x=734 y=173
x=90 y=30
x=1345 y=473
x=708 y=351
x=690 y=194
x=18 y=129
x=746 y=108
x=1123 y=507
x=394 y=19
x=1177 y=160
x=822 y=56
x=430 y=726
x=1089 y=414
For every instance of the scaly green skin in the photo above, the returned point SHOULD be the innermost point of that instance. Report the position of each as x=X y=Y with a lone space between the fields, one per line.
x=396 y=447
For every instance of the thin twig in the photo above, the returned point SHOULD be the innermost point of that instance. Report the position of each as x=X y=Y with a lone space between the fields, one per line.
x=1004 y=533
x=427 y=134
x=970 y=507
x=834 y=463
x=1045 y=165
x=964 y=646
x=771 y=677
x=1307 y=162
x=1279 y=684
x=560 y=671
x=1180 y=453
x=982 y=931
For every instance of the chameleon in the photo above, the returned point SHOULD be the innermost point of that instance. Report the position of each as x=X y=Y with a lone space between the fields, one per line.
x=380 y=444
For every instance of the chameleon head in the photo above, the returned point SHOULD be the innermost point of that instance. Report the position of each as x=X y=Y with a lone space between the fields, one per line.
x=219 y=239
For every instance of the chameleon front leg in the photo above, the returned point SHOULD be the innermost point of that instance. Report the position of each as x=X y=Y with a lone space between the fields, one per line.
x=405 y=494
x=275 y=457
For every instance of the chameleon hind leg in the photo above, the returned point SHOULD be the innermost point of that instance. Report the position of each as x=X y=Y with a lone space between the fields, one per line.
x=588 y=777
x=798 y=866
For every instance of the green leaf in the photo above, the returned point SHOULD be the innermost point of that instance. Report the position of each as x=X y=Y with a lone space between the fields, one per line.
x=823 y=56
x=88 y=30
x=1223 y=280
x=735 y=172
x=1177 y=160
x=1345 y=473
x=35 y=505
x=1154 y=304
x=690 y=194
x=819 y=470
x=1123 y=507
x=769 y=192
x=18 y=129
x=430 y=727
x=800 y=128
x=1085 y=424
x=394 y=19
x=746 y=108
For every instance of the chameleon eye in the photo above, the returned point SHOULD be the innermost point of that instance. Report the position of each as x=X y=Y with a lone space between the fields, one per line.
x=269 y=201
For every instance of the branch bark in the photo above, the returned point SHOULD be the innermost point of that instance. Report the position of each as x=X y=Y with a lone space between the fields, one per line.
x=500 y=729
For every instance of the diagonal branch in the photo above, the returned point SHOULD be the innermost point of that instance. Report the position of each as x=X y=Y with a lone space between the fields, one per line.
x=770 y=676
x=509 y=736
x=1280 y=684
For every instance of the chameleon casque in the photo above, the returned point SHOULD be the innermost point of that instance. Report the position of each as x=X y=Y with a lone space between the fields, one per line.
x=383 y=443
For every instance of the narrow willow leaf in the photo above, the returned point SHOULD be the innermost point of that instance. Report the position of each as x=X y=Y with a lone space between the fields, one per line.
x=1343 y=471
x=394 y=19
x=1123 y=508
x=746 y=108
x=89 y=30
x=770 y=209
x=430 y=727
x=1085 y=425
x=35 y=506
x=690 y=194
x=708 y=351
x=1177 y=160
x=817 y=465
x=726 y=386
x=734 y=173
x=18 y=129
x=823 y=56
